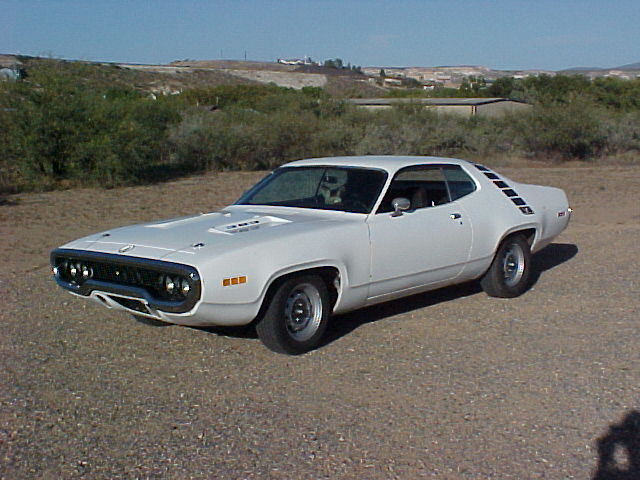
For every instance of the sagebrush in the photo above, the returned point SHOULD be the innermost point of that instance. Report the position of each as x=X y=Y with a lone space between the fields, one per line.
x=62 y=127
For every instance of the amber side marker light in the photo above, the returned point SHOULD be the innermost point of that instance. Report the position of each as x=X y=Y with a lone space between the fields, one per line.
x=226 y=282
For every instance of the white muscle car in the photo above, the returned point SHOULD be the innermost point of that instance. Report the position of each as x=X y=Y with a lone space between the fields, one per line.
x=318 y=237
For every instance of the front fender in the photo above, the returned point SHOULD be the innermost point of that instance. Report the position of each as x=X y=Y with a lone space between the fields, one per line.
x=344 y=247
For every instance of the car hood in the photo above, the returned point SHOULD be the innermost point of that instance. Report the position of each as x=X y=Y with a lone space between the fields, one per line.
x=235 y=226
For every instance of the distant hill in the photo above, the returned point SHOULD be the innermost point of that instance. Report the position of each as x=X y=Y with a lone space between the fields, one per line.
x=185 y=74
x=582 y=69
x=629 y=71
x=631 y=66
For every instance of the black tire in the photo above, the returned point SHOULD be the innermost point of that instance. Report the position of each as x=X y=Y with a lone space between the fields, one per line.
x=296 y=317
x=510 y=272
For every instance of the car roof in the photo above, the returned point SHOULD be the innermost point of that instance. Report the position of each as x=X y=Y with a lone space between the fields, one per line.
x=390 y=163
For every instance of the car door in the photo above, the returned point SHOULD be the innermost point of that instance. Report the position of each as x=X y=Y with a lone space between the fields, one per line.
x=428 y=244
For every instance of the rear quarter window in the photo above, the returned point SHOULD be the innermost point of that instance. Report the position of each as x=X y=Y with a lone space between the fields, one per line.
x=460 y=183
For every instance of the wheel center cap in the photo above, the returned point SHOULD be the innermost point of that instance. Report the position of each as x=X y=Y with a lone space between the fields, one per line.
x=300 y=312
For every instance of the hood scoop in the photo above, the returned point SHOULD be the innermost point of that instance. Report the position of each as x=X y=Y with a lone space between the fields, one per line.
x=248 y=225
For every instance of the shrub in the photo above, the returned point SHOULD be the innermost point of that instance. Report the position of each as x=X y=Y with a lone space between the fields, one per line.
x=573 y=130
x=622 y=133
x=55 y=128
x=63 y=125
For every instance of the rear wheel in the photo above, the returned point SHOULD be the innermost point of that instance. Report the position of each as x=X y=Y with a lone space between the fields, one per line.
x=510 y=272
x=296 y=318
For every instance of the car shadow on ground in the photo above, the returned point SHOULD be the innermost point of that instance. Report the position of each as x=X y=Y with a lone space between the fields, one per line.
x=341 y=325
x=619 y=450
x=550 y=257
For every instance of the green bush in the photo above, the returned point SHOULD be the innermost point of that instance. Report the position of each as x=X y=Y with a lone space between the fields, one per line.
x=411 y=130
x=566 y=131
x=57 y=129
x=622 y=132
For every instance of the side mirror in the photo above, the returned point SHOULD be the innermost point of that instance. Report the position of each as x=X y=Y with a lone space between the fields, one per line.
x=400 y=205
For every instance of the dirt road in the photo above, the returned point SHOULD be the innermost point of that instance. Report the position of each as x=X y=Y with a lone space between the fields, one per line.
x=451 y=384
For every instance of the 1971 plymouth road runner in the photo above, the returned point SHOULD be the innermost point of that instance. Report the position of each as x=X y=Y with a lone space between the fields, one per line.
x=318 y=237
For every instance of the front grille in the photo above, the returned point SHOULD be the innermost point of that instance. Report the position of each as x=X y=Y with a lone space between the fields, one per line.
x=83 y=272
x=126 y=275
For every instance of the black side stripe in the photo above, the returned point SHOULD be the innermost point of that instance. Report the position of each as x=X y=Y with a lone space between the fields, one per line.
x=506 y=189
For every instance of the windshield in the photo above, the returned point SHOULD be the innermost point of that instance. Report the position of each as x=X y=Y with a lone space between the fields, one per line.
x=327 y=188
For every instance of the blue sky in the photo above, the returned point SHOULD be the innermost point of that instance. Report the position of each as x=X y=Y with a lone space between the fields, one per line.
x=516 y=34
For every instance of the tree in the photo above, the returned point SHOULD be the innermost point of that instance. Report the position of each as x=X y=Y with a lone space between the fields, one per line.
x=334 y=63
x=64 y=127
x=502 y=87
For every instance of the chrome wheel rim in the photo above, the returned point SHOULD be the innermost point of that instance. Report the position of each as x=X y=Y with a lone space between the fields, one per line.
x=513 y=265
x=303 y=312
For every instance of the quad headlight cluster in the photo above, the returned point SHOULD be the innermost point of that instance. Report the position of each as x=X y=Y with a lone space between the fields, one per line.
x=73 y=271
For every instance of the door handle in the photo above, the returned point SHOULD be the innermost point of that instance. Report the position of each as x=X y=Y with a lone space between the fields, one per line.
x=455 y=216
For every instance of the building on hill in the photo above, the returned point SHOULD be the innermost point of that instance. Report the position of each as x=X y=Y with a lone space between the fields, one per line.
x=488 y=107
x=394 y=82
x=10 y=68
x=297 y=61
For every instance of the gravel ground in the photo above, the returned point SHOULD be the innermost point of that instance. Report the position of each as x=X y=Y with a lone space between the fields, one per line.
x=451 y=384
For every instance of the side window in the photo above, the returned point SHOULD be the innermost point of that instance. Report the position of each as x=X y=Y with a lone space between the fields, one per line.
x=460 y=184
x=423 y=186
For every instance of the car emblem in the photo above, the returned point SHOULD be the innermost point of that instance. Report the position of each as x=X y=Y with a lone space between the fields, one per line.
x=127 y=248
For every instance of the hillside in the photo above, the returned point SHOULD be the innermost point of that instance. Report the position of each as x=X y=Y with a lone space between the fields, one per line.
x=185 y=74
x=630 y=66
x=628 y=71
x=452 y=76
x=181 y=75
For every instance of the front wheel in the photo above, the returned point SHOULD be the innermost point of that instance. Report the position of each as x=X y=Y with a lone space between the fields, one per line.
x=510 y=272
x=296 y=318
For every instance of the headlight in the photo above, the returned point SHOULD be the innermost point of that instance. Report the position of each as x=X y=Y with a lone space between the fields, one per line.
x=176 y=287
x=185 y=287
x=169 y=285
x=87 y=272
x=76 y=272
